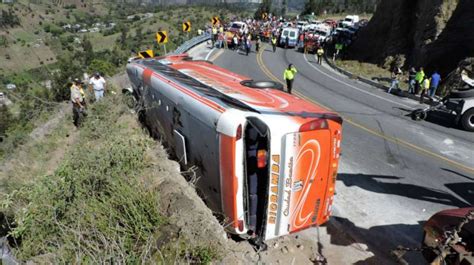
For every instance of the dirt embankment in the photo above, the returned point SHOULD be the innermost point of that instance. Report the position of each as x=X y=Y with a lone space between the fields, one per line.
x=433 y=34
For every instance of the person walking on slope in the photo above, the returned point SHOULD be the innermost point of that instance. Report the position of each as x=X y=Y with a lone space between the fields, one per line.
x=425 y=87
x=395 y=79
x=419 y=77
x=97 y=84
x=320 y=53
x=289 y=76
x=411 y=80
x=435 y=80
x=274 y=43
x=77 y=100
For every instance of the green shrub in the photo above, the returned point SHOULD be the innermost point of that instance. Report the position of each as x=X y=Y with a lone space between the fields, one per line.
x=94 y=208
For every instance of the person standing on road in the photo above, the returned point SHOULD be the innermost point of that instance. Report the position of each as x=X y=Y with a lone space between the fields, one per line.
x=257 y=44
x=419 y=77
x=320 y=53
x=425 y=87
x=411 y=80
x=289 y=76
x=226 y=39
x=274 y=43
x=435 y=79
x=214 y=35
x=235 y=42
x=97 y=84
x=77 y=100
x=248 y=46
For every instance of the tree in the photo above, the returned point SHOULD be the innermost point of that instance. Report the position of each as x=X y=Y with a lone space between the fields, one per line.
x=284 y=7
x=264 y=7
x=88 y=50
x=310 y=7
x=6 y=120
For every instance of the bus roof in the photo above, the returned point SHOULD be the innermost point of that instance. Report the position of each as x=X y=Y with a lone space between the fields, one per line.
x=227 y=83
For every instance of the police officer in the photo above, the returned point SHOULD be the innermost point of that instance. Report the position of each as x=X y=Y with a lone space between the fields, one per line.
x=77 y=99
x=274 y=43
x=289 y=76
x=320 y=53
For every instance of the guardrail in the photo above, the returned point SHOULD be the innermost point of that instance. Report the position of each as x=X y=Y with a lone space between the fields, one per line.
x=186 y=46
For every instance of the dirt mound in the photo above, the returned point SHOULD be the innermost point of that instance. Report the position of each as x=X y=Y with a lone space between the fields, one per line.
x=434 y=34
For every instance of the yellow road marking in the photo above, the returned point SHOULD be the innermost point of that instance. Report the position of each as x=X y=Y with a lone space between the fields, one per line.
x=215 y=56
x=392 y=139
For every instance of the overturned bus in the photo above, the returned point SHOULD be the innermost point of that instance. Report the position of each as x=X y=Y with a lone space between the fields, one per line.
x=267 y=160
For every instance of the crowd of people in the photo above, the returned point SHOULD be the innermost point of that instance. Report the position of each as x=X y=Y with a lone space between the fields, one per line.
x=419 y=83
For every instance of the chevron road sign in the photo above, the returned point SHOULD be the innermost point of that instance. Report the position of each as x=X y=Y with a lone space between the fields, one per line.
x=187 y=26
x=215 y=20
x=162 y=37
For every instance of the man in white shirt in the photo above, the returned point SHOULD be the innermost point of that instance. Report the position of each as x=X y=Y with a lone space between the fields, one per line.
x=98 y=84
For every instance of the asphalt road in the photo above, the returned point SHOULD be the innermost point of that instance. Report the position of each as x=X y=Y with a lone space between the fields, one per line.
x=395 y=173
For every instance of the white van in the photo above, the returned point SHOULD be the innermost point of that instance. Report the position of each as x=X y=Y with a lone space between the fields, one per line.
x=292 y=34
x=350 y=21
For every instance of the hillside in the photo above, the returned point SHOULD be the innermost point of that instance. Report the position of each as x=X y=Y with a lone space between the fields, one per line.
x=418 y=33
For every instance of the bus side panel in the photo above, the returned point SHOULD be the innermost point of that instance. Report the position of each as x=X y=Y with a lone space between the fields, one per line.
x=202 y=144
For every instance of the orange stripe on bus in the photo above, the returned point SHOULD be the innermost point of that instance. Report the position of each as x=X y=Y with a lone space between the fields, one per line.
x=229 y=184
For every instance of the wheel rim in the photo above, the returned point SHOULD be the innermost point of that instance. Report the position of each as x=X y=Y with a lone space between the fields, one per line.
x=471 y=121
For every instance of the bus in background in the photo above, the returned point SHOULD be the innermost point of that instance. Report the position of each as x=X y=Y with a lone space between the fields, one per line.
x=266 y=160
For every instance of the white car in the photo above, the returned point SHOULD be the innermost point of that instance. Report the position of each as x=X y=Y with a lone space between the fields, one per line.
x=350 y=21
x=301 y=25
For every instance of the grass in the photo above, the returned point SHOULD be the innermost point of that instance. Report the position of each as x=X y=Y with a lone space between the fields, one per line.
x=100 y=204
x=370 y=71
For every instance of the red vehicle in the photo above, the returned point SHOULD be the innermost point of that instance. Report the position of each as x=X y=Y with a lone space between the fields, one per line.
x=330 y=22
x=311 y=43
x=449 y=237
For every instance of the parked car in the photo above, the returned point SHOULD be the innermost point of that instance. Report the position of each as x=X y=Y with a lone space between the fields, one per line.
x=302 y=25
x=350 y=20
x=449 y=237
x=238 y=27
x=331 y=22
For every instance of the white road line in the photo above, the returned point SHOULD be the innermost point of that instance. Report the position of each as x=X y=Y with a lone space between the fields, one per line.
x=356 y=88
x=209 y=54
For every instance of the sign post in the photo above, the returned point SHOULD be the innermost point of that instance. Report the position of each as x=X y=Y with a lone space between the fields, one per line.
x=162 y=38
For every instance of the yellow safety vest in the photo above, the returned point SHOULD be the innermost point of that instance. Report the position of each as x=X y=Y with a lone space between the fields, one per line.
x=214 y=31
x=289 y=74
x=274 y=41
x=320 y=51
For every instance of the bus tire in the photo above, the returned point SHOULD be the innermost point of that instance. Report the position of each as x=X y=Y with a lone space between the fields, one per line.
x=467 y=120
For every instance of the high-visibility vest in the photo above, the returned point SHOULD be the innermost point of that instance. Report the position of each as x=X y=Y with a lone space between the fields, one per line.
x=214 y=31
x=289 y=74
x=274 y=41
x=320 y=51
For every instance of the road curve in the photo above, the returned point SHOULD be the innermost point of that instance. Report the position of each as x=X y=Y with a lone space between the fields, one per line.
x=394 y=172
